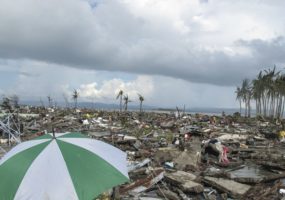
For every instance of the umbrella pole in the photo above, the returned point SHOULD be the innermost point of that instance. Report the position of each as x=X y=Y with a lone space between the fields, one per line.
x=53 y=133
x=115 y=193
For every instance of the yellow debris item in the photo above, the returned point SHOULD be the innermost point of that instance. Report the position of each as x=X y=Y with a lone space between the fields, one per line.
x=88 y=116
x=243 y=146
x=281 y=135
x=104 y=196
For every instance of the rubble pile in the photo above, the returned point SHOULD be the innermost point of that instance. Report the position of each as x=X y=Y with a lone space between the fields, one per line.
x=176 y=157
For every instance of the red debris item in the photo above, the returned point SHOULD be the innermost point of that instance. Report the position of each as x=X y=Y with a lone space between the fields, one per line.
x=187 y=136
x=225 y=159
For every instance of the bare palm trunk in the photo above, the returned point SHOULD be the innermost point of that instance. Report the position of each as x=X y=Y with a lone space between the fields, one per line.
x=245 y=111
x=256 y=107
x=276 y=105
x=121 y=103
x=268 y=106
x=264 y=106
x=282 y=110
x=75 y=103
x=279 y=110
x=259 y=106
x=248 y=107
x=272 y=105
x=240 y=107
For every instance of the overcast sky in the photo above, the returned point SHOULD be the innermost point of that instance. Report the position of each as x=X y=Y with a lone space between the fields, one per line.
x=173 y=52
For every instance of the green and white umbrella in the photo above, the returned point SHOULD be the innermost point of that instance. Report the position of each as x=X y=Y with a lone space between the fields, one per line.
x=67 y=167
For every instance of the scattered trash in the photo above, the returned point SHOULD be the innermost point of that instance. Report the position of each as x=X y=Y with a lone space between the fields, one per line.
x=182 y=156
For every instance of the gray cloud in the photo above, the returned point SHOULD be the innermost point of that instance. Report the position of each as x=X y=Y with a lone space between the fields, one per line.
x=267 y=52
x=190 y=42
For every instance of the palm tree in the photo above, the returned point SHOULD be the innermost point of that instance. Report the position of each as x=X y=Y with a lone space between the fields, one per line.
x=282 y=96
x=249 y=95
x=126 y=99
x=279 y=97
x=245 y=95
x=141 y=99
x=268 y=91
x=120 y=94
x=239 y=97
x=6 y=104
x=75 y=96
x=258 y=92
x=49 y=101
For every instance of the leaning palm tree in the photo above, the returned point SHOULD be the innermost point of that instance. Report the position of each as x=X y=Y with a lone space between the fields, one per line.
x=141 y=99
x=120 y=95
x=127 y=100
x=75 y=96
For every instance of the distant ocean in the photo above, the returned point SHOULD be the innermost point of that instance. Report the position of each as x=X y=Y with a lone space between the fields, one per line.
x=205 y=111
x=146 y=108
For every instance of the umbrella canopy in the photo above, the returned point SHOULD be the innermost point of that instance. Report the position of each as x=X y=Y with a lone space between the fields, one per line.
x=69 y=166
